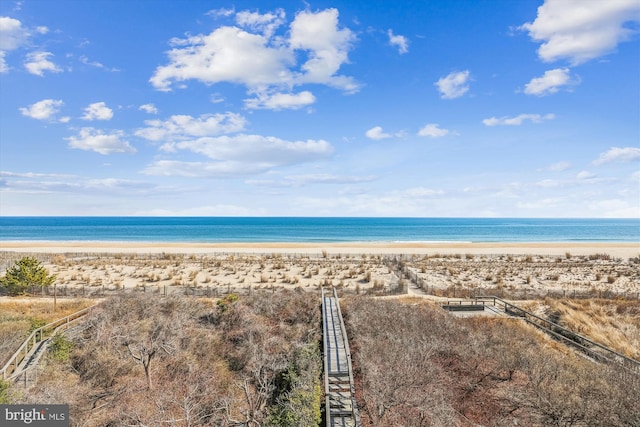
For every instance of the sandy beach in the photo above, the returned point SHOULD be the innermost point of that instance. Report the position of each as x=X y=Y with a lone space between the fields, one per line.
x=525 y=269
x=618 y=250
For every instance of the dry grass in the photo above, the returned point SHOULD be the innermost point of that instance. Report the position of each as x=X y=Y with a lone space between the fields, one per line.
x=614 y=323
x=528 y=275
x=92 y=273
x=42 y=309
x=18 y=316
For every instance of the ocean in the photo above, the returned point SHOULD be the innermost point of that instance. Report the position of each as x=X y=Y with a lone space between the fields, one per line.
x=305 y=229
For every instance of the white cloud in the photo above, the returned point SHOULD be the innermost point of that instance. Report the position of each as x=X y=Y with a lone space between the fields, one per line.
x=263 y=62
x=216 y=98
x=148 y=108
x=201 y=169
x=584 y=175
x=240 y=155
x=97 y=111
x=34 y=175
x=548 y=183
x=302 y=180
x=180 y=127
x=3 y=63
x=263 y=23
x=221 y=12
x=433 y=130
x=85 y=60
x=330 y=179
x=615 y=208
x=43 y=110
x=91 y=139
x=400 y=42
x=453 y=85
x=377 y=133
x=258 y=149
x=616 y=154
x=200 y=211
x=38 y=62
x=421 y=192
x=559 y=167
x=547 y=203
x=327 y=48
x=411 y=201
x=73 y=184
x=581 y=178
x=549 y=83
x=518 y=120
x=580 y=30
x=227 y=54
x=280 y=101
x=12 y=34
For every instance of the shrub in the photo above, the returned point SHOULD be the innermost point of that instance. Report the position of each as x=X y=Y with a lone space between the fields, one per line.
x=60 y=348
x=35 y=323
x=299 y=394
x=4 y=392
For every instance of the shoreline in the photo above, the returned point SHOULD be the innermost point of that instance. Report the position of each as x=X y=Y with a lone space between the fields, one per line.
x=616 y=249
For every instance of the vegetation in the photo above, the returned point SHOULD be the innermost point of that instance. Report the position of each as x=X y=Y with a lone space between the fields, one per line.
x=19 y=317
x=299 y=394
x=4 y=392
x=613 y=323
x=254 y=360
x=60 y=348
x=25 y=273
x=416 y=366
x=144 y=360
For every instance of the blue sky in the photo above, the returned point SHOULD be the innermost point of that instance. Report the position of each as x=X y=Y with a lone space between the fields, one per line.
x=440 y=108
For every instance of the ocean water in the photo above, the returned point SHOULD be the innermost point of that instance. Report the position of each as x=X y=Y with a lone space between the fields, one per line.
x=304 y=229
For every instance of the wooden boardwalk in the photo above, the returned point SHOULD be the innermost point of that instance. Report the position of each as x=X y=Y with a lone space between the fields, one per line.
x=497 y=306
x=28 y=355
x=340 y=404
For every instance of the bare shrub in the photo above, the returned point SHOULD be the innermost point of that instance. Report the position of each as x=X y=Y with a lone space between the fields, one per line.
x=417 y=366
x=177 y=361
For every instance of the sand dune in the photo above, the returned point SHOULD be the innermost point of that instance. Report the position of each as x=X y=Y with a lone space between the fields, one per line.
x=526 y=269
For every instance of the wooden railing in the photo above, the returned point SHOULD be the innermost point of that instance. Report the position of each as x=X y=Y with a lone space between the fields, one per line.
x=592 y=348
x=36 y=337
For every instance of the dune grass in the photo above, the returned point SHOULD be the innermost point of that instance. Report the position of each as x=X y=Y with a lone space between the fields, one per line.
x=614 y=323
x=19 y=316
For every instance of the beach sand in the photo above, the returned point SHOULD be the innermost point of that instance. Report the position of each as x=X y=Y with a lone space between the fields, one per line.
x=618 y=250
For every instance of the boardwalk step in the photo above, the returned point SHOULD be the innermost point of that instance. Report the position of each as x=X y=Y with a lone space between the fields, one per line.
x=341 y=409
x=340 y=387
